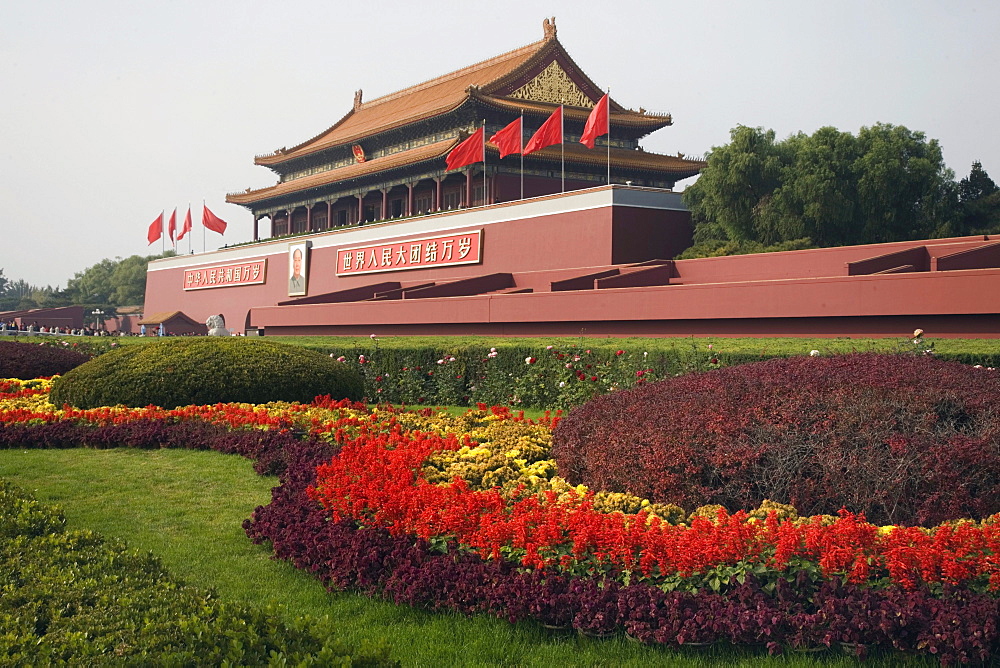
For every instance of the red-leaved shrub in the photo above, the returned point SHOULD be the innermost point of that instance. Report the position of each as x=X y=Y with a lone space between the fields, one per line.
x=903 y=439
x=31 y=360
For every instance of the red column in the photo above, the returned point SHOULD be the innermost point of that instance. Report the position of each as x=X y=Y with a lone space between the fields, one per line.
x=309 y=218
x=437 y=196
x=468 y=188
x=361 y=207
x=409 y=199
x=329 y=214
x=256 y=220
x=385 y=204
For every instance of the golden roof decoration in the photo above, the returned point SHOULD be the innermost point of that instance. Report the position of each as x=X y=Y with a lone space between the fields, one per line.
x=549 y=28
x=553 y=85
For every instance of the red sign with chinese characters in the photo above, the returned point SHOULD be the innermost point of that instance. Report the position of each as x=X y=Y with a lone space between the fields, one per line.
x=440 y=251
x=225 y=276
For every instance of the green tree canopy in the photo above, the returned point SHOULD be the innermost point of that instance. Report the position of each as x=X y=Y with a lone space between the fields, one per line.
x=113 y=283
x=976 y=185
x=979 y=199
x=107 y=285
x=887 y=183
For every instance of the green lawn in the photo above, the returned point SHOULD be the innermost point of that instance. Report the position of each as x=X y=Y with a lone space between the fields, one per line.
x=187 y=507
x=768 y=346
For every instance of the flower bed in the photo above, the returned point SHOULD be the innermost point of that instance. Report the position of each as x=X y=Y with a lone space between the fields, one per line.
x=467 y=514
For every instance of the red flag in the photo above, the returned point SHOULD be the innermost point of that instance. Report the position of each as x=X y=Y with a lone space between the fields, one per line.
x=155 y=229
x=172 y=226
x=597 y=123
x=211 y=221
x=187 y=224
x=509 y=139
x=470 y=151
x=550 y=133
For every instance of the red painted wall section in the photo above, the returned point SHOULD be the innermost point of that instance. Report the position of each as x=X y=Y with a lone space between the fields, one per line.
x=603 y=235
x=805 y=263
x=647 y=234
x=581 y=234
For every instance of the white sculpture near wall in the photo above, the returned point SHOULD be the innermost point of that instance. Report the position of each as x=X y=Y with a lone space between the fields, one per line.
x=216 y=325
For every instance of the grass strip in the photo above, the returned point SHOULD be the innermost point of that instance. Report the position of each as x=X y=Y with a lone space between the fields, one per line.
x=187 y=507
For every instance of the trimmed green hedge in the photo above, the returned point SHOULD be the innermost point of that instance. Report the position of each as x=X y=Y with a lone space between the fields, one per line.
x=206 y=370
x=408 y=369
x=72 y=597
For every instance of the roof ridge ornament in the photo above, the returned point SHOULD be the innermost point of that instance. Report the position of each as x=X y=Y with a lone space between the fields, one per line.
x=357 y=99
x=549 y=27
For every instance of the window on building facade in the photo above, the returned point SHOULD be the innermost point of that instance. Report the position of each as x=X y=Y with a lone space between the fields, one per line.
x=422 y=203
x=451 y=199
x=397 y=208
x=370 y=213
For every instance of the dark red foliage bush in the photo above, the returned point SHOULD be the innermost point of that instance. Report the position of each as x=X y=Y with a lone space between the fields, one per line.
x=956 y=627
x=903 y=439
x=32 y=360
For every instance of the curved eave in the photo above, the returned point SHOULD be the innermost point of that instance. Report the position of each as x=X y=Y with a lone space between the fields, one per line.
x=318 y=147
x=413 y=156
x=283 y=155
x=621 y=158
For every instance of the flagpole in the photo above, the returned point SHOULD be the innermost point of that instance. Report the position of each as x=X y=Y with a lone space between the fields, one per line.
x=484 y=162
x=522 y=153
x=609 y=136
x=163 y=233
x=204 y=243
x=189 y=232
x=562 y=146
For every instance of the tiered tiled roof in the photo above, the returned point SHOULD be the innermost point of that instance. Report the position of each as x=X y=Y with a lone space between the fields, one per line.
x=488 y=81
x=380 y=164
x=501 y=83
x=412 y=104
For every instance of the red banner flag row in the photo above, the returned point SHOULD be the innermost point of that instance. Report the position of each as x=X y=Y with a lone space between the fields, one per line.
x=510 y=140
x=208 y=219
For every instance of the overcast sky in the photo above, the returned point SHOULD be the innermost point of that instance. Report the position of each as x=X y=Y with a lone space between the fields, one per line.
x=115 y=110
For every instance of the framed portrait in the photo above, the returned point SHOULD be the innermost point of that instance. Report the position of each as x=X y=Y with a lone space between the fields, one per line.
x=298 y=268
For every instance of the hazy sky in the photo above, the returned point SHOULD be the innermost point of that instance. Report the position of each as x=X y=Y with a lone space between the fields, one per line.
x=115 y=110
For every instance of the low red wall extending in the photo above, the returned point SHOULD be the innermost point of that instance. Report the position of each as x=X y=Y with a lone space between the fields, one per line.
x=580 y=264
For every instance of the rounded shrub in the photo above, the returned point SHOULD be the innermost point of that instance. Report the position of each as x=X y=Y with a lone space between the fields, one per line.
x=206 y=370
x=36 y=360
x=904 y=439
